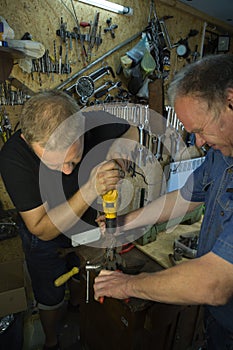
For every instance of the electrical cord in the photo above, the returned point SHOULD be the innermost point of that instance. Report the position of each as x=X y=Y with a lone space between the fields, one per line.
x=140 y=174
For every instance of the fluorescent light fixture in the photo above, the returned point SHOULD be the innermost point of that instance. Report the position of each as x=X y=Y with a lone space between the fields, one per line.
x=110 y=6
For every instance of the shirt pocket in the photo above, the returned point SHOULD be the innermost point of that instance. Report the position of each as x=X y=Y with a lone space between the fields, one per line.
x=225 y=200
x=207 y=184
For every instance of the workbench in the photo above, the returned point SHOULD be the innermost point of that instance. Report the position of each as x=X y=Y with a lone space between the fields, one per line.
x=137 y=324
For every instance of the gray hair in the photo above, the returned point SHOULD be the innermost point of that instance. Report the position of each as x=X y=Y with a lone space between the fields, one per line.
x=208 y=79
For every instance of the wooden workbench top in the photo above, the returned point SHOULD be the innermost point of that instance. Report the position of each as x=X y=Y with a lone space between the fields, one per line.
x=160 y=249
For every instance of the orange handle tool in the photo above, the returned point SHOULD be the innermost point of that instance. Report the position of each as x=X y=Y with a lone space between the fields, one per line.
x=101 y=299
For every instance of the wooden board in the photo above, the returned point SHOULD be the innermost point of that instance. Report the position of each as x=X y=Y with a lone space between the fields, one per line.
x=160 y=249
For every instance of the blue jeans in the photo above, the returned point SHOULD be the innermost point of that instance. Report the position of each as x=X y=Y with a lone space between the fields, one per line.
x=45 y=266
x=217 y=338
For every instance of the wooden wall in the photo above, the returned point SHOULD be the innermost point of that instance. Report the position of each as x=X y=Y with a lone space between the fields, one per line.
x=41 y=18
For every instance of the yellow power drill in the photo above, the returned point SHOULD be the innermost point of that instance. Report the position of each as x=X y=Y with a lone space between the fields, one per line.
x=110 y=210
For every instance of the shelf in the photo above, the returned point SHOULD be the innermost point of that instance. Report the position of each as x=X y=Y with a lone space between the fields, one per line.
x=10 y=52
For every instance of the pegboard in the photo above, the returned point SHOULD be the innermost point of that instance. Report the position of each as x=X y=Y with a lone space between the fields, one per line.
x=42 y=19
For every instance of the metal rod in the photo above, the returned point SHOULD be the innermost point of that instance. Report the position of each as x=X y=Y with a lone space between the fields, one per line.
x=108 y=53
x=87 y=286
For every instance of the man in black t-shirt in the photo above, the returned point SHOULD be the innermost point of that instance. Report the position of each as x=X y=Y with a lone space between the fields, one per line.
x=54 y=169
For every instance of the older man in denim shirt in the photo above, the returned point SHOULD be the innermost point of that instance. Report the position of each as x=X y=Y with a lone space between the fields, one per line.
x=202 y=95
x=213 y=185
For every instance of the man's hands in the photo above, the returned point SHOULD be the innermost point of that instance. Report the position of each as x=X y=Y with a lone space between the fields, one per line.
x=101 y=221
x=111 y=284
x=105 y=177
x=123 y=148
x=176 y=285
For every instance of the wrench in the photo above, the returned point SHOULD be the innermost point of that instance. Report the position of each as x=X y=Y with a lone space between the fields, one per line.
x=140 y=149
x=105 y=91
x=159 y=153
x=88 y=269
x=109 y=82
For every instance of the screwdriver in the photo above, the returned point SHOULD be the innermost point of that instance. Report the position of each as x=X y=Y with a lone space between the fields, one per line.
x=64 y=278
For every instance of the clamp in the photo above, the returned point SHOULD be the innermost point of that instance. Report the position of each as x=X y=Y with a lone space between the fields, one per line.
x=111 y=261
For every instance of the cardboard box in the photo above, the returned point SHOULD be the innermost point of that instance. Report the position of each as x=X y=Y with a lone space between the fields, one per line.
x=12 y=287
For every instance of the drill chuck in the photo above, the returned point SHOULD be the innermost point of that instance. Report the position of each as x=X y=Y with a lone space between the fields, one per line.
x=111 y=225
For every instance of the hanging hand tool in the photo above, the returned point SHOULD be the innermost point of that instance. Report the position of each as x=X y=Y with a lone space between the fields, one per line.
x=159 y=151
x=195 y=54
x=165 y=33
x=85 y=24
x=105 y=91
x=107 y=83
x=60 y=48
x=47 y=62
x=79 y=35
x=75 y=36
x=86 y=36
x=62 y=33
x=5 y=126
x=60 y=60
x=98 y=60
x=110 y=27
x=99 y=73
x=66 y=67
x=100 y=88
x=85 y=87
x=55 y=69
x=69 y=36
x=98 y=40
x=93 y=35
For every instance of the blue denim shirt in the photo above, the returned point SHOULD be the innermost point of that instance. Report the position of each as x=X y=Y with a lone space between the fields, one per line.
x=210 y=183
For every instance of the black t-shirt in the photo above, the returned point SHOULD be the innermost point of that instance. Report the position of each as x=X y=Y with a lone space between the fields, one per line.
x=30 y=183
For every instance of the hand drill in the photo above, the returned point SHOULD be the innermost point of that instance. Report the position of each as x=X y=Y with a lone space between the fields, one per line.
x=110 y=210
